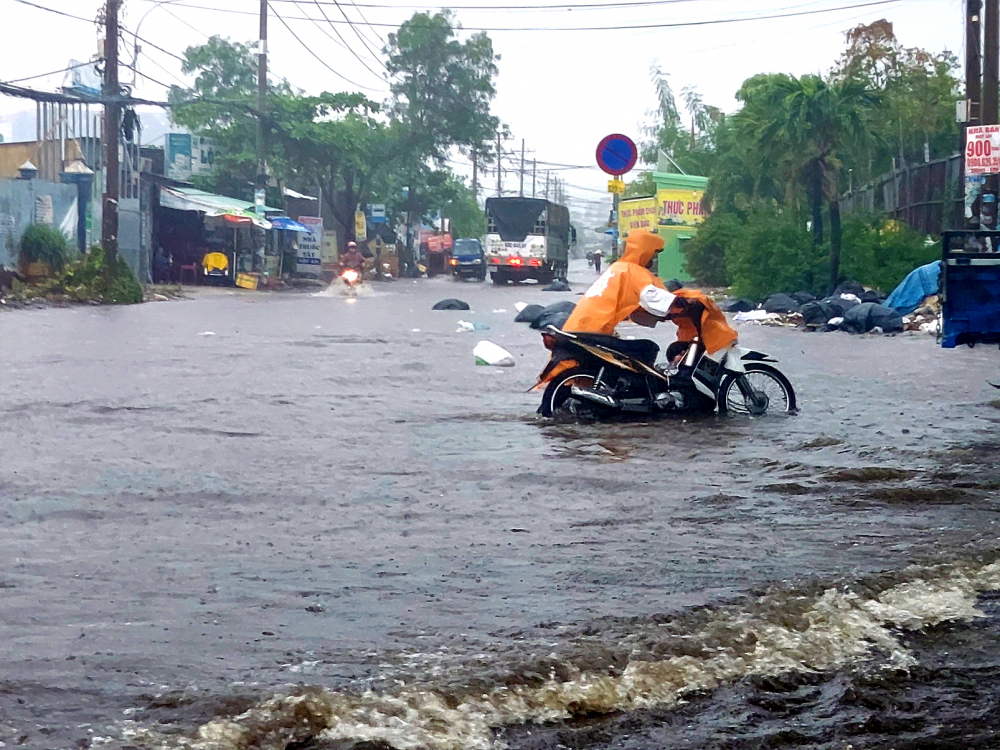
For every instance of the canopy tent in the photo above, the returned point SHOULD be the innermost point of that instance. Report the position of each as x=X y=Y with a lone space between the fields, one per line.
x=192 y=199
x=289 y=225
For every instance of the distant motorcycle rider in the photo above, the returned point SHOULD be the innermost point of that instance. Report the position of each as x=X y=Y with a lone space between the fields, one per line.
x=352 y=259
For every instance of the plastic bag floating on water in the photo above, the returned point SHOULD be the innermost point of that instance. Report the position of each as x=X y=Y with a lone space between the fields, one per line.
x=489 y=354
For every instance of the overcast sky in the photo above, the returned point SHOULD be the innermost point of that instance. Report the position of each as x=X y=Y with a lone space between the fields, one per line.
x=560 y=90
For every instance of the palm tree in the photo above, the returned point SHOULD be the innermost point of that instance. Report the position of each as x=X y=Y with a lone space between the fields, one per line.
x=805 y=124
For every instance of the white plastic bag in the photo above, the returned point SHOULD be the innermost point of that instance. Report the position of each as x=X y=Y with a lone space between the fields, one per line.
x=488 y=353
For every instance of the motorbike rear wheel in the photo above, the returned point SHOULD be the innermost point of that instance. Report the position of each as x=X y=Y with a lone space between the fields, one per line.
x=558 y=399
x=772 y=392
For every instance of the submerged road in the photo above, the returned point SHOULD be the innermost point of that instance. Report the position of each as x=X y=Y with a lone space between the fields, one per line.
x=208 y=502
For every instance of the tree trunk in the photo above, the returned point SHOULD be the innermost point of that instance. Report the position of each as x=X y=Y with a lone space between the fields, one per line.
x=835 y=241
x=816 y=202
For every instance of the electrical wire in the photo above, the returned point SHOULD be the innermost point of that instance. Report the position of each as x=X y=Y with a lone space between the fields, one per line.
x=53 y=10
x=52 y=73
x=318 y=58
x=343 y=42
x=627 y=27
x=353 y=28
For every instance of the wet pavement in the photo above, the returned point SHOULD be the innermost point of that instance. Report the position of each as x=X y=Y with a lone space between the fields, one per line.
x=209 y=502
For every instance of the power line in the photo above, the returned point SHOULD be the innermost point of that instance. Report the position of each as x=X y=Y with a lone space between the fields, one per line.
x=343 y=42
x=318 y=58
x=558 y=6
x=628 y=27
x=53 y=10
x=354 y=29
x=53 y=72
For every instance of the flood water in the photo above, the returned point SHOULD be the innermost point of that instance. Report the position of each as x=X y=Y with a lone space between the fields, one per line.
x=252 y=520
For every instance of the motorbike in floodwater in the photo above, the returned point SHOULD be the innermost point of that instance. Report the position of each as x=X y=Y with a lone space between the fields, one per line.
x=599 y=376
x=351 y=279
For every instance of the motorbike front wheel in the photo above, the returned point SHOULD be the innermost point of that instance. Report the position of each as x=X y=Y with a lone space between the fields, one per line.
x=770 y=391
x=559 y=401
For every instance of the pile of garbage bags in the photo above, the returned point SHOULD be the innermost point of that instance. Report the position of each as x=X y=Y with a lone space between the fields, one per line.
x=850 y=308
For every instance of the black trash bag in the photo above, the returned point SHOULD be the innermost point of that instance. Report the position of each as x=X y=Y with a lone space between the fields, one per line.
x=743 y=304
x=781 y=303
x=849 y=287
x=841 y=304
x=872 y=296
x=819 y=313
x=451 y=304
x=559 y=285
x=554 y=315
x=827 y=328
x=529 y=314
x=803 y=297
x=868 y=315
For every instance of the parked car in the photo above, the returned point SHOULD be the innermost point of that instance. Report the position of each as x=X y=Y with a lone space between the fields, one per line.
x=468 y=261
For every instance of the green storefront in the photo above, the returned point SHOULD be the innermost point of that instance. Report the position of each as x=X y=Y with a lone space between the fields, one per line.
x=674 y=213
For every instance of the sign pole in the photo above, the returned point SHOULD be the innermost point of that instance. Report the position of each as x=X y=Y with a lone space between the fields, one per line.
x=973 y=89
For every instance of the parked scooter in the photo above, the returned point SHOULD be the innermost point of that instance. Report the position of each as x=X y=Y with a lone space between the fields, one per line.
x=599 y=376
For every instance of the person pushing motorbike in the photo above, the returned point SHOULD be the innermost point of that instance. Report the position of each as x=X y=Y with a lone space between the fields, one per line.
x=629 y=290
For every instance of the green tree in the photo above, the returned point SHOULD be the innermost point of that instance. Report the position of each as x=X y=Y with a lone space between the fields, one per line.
x=917 y=92
x=802 y=124
x=442 y=89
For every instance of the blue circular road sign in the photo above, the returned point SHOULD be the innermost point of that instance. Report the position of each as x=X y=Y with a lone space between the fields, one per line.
x=616 y=154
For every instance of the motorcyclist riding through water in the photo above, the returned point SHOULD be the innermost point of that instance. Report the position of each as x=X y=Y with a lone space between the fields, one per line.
x=629 y=290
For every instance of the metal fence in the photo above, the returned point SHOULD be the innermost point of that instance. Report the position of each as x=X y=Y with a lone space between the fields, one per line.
x=925 y=196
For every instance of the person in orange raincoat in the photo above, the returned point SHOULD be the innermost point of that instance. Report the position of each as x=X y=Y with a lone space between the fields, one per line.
x=628 y=289
x=616 y=294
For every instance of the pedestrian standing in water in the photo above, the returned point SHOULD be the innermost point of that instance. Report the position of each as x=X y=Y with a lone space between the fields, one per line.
x=597 y=261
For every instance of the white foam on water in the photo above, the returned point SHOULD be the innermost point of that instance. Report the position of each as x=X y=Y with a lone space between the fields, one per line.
x=835 y=629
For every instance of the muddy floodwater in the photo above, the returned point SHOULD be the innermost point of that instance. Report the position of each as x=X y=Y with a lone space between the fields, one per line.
x=252 y=520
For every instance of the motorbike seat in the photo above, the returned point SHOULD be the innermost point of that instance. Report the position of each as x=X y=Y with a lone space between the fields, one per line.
x=644 y=350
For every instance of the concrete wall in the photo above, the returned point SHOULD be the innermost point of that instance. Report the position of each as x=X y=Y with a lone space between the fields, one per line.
x=17 y=212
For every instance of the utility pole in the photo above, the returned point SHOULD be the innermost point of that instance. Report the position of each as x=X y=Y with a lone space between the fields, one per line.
x=988 y=113
x=547 y=174
x=973 y=94
x=534 y=172
x=262 y=97
x=499 y=167
x=521 y=189
x=112 y=129
x=475 y=173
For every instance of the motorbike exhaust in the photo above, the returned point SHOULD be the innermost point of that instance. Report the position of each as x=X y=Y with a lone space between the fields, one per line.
x=601 y=399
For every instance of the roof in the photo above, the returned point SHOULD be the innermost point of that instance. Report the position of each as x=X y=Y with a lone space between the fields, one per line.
x=192 y=199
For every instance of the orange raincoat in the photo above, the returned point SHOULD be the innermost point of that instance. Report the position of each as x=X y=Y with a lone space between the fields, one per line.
x=716 y=332
x=615 y=295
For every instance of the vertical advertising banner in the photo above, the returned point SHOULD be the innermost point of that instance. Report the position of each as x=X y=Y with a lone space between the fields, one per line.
x=309 y=258
x=982 y=149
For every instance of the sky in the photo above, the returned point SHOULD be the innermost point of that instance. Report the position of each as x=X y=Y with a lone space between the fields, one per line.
x=560 y=88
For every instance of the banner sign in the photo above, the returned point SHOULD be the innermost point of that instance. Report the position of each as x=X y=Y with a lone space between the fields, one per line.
x=188 y=156
x=309 y=256
x=982 y=149
x=636 y=213
x=680 y=208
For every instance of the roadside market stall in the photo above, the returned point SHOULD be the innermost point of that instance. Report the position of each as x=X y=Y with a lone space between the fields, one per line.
x=193 y=225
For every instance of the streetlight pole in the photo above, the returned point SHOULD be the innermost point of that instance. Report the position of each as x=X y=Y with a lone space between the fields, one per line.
x=262 y=97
